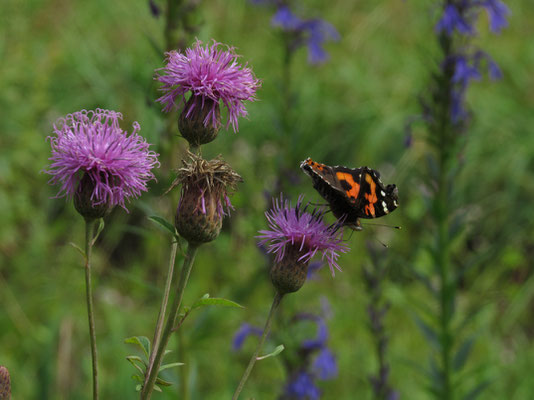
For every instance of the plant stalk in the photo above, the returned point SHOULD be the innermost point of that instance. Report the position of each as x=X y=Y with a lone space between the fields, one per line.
x=164 y=302
x=274 y=306
x=153 y=369
x=89 y=233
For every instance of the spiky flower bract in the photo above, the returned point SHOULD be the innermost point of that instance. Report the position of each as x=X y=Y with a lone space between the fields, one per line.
x=295 y=227
x=91 y=154
x=211 y=74
x=204 y=199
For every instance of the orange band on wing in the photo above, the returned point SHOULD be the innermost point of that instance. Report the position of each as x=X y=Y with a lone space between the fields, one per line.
x=370 y=197
x=354 y=187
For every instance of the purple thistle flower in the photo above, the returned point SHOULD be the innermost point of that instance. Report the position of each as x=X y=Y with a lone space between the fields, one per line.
x=294 y=226
x=325 y=365
x=241 y=335
x=302 y=387
x=117 y=165
x=452 y=19
x=212 y=75
x=497 y=13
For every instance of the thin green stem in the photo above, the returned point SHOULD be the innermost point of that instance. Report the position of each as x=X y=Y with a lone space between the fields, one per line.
x=153 y=369
x=164 y=302
x=89 y=233
x=276 y=303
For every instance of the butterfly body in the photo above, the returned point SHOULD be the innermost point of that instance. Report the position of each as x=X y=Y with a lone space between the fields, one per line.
x=352 y=193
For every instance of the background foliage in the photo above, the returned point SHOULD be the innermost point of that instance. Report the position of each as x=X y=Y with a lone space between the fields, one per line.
x=60 y=56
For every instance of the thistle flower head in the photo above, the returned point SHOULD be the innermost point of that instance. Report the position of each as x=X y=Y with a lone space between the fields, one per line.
x=296 y=227
x=92 y=155
x=204 y=199
x=211 y=74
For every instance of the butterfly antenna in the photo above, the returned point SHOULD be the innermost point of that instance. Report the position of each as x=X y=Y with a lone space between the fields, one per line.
x=386 y=225
x=382 y=243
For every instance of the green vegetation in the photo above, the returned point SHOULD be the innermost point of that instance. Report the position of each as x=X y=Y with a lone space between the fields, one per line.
x=60 y=56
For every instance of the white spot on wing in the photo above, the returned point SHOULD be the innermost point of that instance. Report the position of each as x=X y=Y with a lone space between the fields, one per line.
x=385 y=207
x=382 y=193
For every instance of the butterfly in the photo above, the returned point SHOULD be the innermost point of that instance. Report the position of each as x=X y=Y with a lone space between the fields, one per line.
x=352 y=193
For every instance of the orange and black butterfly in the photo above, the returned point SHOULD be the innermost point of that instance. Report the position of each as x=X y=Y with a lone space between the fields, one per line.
x=352 y=193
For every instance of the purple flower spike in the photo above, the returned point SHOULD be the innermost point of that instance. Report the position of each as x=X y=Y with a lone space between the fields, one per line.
x=497 y=13
x=452 y=20
x=302 y=387
x=244 y=331
x=92 y=143
x=213 y=75
x=294 y=226
x=325 y=365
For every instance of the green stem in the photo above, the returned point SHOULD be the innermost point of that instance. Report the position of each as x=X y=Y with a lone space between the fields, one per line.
x=153 y=369
x=164 y=302
x=445 y=145
x=276 y=303
x=89 y=232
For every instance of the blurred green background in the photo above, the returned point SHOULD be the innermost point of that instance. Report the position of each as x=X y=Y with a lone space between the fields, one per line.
x=59 y=56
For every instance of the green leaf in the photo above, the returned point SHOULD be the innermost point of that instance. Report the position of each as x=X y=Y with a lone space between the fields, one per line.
x=142 y=341
x=214 y=301
x=137 y=378
x=476 y=391
x=157 y=388
x=276 y=351
x=79 y=249
x=133 y=360
x=462 y=355
x=165 y=225
x=429 y=333
x=163 y=382
x=99 y=230
x=138 y=387
x=167 y=366
x=166 y=352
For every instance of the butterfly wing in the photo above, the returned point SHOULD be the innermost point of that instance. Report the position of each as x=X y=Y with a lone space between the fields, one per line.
x=375 y=200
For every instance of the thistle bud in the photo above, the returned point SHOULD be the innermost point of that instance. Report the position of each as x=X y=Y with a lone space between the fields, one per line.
x=289 y=273
x=83 y=201
x=204 y=197
x=5 y=384
x=198 y=223
x=200 y=121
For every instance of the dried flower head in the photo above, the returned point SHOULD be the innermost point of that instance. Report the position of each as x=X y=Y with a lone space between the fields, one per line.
x=295 y=236
x=212 y=75
x=97 y=162
x=5 y=383
x=204 y=199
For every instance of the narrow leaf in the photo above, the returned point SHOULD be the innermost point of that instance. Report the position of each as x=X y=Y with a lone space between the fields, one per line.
x=79 y=249
x=214 y=301
x=462 y=355
x=134 y=360
x=142 y=341
x=476 y=391
x=99 y=230
x=157 y=388
x=167 y=366
x=276 y=351
x=162 y=382
x=429 y=333
x=162 y=222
